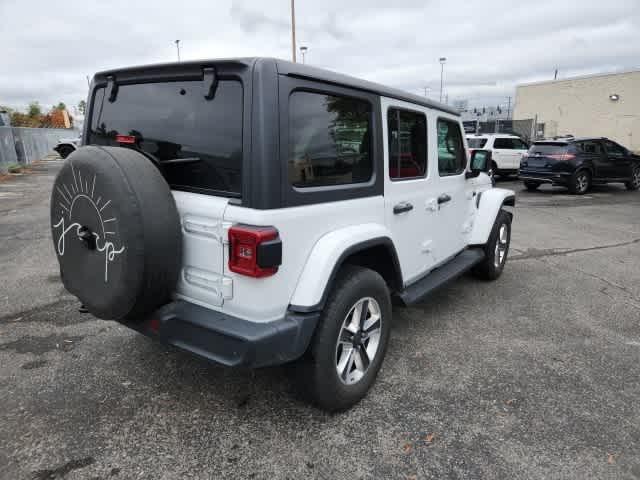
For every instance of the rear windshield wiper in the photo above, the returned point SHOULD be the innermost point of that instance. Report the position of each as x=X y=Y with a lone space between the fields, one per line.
x=181 y=160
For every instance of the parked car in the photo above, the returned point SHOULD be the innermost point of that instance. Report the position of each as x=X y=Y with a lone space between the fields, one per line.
x=506 y=151
x=256 y=212
x=66 y=146
x=578 y=163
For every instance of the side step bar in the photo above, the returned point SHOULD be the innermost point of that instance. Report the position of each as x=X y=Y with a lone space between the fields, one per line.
x=441 y=275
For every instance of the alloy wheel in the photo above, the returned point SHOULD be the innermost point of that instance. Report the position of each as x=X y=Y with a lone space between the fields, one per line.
x=358 y=340
x=582 y=182
x=502 y=244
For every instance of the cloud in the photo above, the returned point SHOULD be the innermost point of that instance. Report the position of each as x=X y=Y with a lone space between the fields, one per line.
x=50 y=47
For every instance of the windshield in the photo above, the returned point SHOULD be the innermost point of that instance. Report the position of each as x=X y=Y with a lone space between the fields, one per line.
x=173 y=121
x=475 y=142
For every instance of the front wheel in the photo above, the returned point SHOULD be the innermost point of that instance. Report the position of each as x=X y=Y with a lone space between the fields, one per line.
x=496 y=249
x=634 y=183
x=350 y=341
x=531 y=186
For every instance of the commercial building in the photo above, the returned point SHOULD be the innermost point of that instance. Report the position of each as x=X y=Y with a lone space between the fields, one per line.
x=605 y=105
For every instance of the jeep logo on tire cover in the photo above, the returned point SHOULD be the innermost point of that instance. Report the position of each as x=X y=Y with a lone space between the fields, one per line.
x=83 y=190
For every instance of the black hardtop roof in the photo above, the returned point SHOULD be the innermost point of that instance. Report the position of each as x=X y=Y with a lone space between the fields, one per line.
x=283 y=67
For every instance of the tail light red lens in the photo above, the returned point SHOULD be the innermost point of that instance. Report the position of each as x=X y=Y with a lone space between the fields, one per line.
x=254 y=251
x=562 y=156
x=128 y=139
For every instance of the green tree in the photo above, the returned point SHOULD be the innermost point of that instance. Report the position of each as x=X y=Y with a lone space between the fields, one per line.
x=34 y=109
x=61 y=106
x=82 y=106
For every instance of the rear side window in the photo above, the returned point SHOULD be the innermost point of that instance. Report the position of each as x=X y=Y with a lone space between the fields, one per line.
x=197 y=142
x=329 y=140
x=476 y=142
x=452 y=159
x=589 y=147
x=509 y=144
x=407 y=144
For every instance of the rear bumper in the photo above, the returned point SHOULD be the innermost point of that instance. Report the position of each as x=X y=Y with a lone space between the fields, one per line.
x=229 y=340
x=556 y=178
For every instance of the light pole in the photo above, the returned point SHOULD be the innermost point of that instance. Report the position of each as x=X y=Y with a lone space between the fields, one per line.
x=177 y=42
x=427 y=90
x=293 y=30
x=303 y=52
x=442 y=62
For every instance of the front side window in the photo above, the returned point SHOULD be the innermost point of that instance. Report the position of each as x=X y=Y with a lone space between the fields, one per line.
x=329 y=140
x=613 y=149
x=452 y=159
x=519 y=144
x=407 y=144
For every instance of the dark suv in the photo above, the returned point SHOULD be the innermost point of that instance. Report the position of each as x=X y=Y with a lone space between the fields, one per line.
x=578 y=163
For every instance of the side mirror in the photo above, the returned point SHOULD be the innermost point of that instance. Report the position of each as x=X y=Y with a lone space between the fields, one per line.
x=480 y=162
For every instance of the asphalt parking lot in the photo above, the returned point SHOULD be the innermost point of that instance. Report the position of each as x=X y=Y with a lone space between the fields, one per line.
x=536 y=375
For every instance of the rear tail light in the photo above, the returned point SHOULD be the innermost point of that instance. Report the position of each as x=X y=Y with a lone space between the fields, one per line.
x=254 y=251
x=562 y=156
x=128 y=139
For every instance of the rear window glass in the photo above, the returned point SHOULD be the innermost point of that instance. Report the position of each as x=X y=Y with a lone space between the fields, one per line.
x=548 y=148
x=329 y=140
x=172 y=121
x=476 y=142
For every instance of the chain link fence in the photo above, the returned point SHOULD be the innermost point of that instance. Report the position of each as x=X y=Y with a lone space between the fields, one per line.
x=25 y=145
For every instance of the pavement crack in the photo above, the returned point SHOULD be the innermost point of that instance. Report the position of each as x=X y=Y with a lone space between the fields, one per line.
x=551 y=252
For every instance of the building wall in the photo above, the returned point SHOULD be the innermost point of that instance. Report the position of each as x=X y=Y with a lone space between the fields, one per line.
x=581 y=106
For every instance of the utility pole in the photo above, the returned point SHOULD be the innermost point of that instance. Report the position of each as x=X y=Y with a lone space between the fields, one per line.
x=177 y=42
x=442 y=62
x=293 y=30
x=427 y=89
x=509 y=109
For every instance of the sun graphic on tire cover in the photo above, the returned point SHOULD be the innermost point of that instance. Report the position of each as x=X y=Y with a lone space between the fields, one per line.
x=83 y=190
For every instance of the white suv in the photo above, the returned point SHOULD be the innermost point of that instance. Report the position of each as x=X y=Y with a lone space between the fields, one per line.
x=506 y=151
x=255 y=212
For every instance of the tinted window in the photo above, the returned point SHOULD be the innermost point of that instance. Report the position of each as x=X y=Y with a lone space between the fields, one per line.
x=548 y=148
x=613 y=149
x=452 y=158
x=173 y=121
x=589 y=147
x=407 y=144
x=329 y=140
x=476 y=142
x=519 y=144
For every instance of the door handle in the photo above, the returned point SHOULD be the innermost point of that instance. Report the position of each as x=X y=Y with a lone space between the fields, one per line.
x=402 y=207
x=444 y=198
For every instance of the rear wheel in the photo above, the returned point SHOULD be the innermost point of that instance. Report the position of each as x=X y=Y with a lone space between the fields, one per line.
x=350 y=341
x=496 y=249
x=531 y=186
x=580 y=182
x=634 y=183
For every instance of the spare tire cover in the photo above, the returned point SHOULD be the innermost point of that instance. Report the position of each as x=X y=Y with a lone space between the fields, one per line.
x=116 y=232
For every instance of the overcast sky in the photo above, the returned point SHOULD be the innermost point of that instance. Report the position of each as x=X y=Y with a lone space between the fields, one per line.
x=48 y=47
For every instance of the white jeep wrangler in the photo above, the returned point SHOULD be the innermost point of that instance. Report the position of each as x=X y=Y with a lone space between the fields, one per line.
x=255 y=212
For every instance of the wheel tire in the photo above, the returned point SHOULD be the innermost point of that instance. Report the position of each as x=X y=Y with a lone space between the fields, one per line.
x=634 y=183
x=64 y=151
x=116 y=232
x=531 y=186
x=580 y=182
x=317 y=374
x=489 y=268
